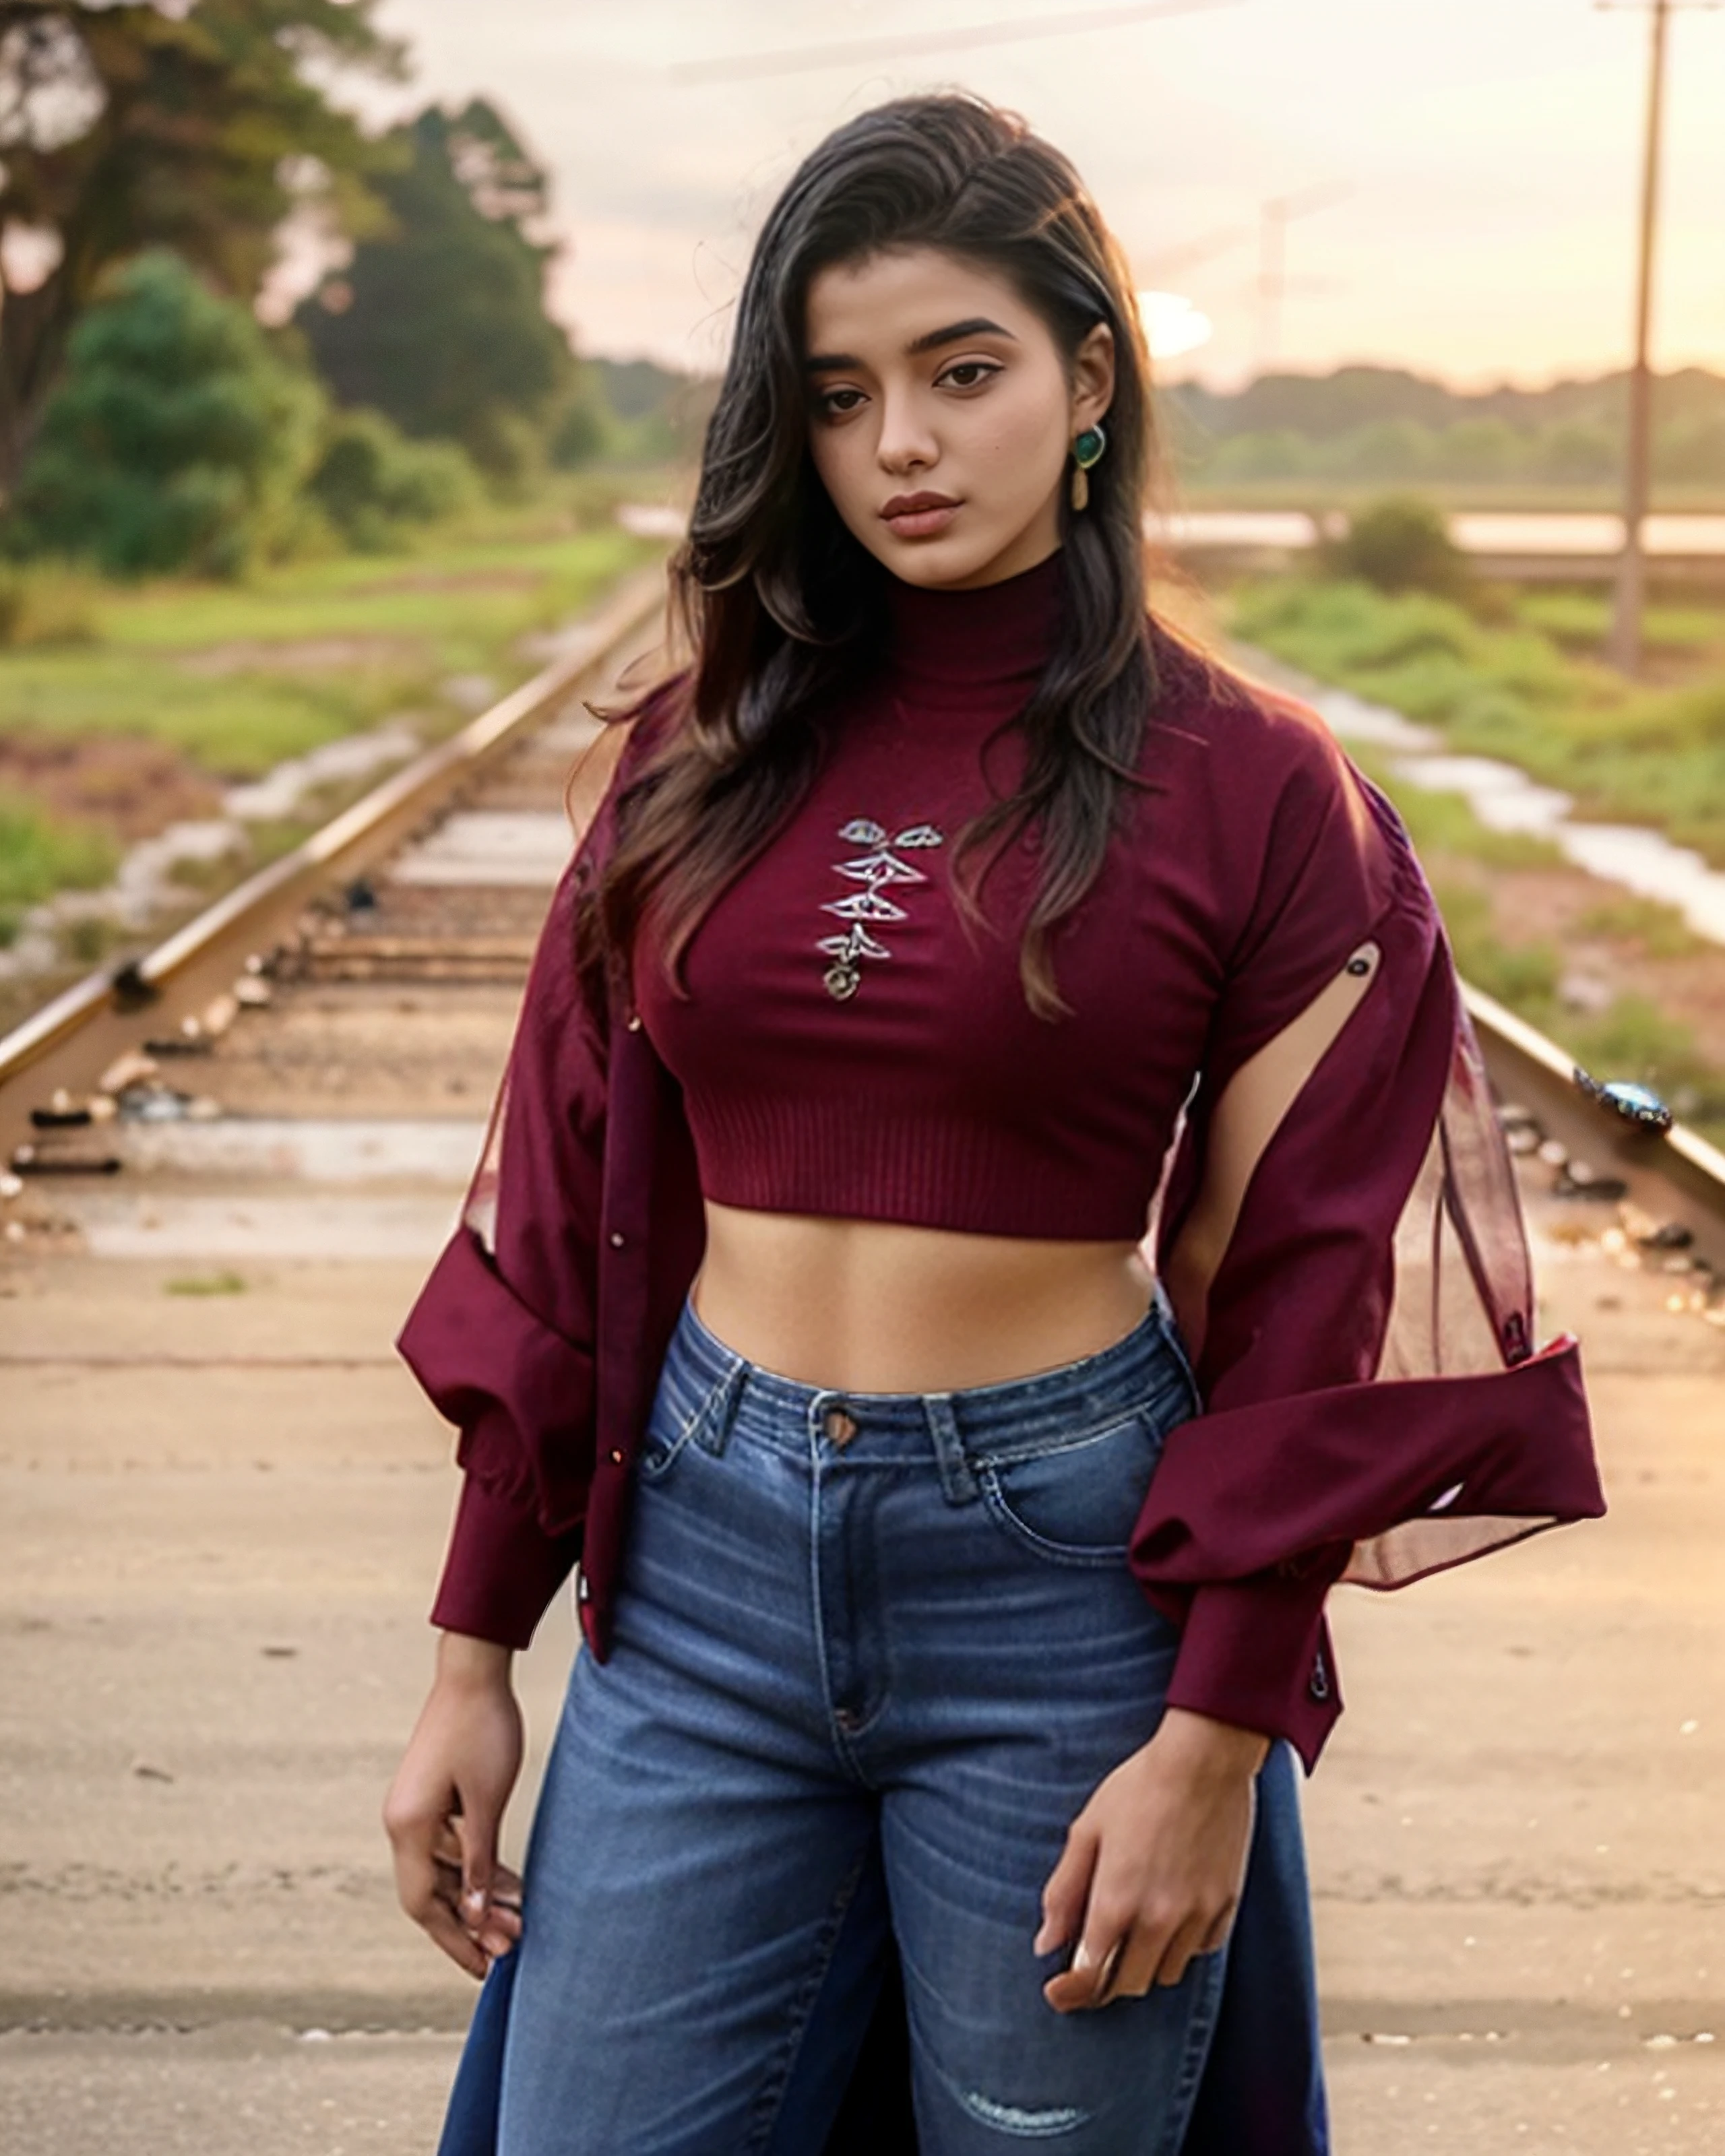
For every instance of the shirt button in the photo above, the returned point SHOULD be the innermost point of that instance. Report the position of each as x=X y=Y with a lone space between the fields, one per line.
x=1319 y=1686
x=617 y=1456
x=634 y=1021
x=616 y=1238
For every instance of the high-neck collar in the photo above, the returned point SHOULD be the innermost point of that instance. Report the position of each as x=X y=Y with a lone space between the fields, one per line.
x=997 y=635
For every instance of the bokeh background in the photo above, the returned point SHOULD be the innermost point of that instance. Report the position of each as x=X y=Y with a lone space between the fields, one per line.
x=354 y=354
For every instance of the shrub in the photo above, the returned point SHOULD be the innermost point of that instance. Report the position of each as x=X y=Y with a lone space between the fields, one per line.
x=1400 y=543
x=370 y=480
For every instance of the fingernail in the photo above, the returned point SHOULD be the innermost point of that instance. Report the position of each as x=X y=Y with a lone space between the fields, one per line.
x=473 y=1899
x=1084 y=1958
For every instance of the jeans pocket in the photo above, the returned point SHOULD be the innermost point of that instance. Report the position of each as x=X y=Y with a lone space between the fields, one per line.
x=674 y=1419
x=1077 y=1500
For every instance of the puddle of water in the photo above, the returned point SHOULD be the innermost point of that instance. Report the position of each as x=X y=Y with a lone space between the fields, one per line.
x=1501 y=797
x=1578 y=535
x=1506 y=799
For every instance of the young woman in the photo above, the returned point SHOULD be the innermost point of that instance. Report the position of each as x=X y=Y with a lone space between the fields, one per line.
x=994 y=1184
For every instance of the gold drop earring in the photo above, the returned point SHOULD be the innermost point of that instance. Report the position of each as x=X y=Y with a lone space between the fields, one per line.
x=1086 y=452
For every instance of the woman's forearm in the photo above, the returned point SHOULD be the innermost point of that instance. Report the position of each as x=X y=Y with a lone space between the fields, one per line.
x=1210 y=1746
x=473 y=1663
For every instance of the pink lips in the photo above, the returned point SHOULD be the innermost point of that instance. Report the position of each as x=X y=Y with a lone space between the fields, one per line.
x=919 y=516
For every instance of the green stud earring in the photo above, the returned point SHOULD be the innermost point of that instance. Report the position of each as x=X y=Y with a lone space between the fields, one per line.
x=1086 y=452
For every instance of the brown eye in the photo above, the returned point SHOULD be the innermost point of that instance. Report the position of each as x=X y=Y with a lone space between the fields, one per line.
x=835 y=403
x=969 y=374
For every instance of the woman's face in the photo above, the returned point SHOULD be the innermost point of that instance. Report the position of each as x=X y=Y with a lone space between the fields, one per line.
x=942 y=413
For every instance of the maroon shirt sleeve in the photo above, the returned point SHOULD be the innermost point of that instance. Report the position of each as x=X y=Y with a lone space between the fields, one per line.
x=503 y=1335
x=1307 y=1459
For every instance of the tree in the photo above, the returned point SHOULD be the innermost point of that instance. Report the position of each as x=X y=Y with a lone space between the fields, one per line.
x=177 y=438
x=123 y=128
x=440 y=320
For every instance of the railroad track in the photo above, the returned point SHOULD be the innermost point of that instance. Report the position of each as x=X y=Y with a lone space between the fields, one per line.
x=306 y=1064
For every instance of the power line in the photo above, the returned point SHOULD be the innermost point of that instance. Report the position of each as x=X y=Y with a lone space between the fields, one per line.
x=863 y=52
x=1631 y=589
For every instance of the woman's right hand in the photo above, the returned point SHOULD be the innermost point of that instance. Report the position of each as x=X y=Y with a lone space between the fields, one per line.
x=446 y=1803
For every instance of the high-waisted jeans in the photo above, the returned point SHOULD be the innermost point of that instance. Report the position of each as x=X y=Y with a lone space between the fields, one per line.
x=873 y=1653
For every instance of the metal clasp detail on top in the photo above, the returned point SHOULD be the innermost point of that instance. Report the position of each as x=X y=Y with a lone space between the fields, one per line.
x=876 y=868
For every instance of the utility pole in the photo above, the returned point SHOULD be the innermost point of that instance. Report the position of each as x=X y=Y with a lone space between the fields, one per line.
x=1274 y=215
x=1631 y=588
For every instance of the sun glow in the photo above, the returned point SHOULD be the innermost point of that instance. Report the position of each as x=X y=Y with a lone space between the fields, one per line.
x=1172 y=323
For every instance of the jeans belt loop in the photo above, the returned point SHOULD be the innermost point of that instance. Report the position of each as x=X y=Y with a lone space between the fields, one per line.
x=958 y=1483
x=710 y=1426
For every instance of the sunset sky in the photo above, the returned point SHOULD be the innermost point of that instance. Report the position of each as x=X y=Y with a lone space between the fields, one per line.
x=1482 y=160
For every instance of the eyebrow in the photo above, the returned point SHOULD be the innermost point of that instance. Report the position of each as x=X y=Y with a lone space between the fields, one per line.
x=822 y=363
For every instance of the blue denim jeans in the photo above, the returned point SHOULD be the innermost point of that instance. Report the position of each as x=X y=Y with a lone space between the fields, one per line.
x=873 y=1653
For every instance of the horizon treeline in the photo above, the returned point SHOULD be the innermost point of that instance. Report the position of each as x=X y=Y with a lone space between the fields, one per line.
x=1389 y=424
x=1354 y=423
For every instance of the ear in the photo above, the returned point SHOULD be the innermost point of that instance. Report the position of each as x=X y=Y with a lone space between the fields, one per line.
x=1093 y=378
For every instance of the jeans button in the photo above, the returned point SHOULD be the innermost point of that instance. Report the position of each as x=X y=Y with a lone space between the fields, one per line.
x=848 y=1720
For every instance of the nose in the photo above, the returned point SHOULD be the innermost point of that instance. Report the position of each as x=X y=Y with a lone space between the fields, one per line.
x=907 y=441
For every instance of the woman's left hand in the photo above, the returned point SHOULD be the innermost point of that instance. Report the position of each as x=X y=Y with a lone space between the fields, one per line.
x=1153 y=1863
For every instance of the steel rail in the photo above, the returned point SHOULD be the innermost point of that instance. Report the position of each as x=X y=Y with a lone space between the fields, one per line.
x=1675 y=1177
x=72 y=1039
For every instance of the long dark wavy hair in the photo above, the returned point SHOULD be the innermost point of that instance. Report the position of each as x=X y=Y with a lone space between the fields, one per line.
x=783 y=607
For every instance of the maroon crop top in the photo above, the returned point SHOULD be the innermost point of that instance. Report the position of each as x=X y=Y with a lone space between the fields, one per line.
x=847 y=1049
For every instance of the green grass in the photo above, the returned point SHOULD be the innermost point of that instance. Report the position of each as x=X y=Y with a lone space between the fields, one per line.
x=234 y=678
x=46 y=603
x=1660 y=930
x=1580 y=620
x=1632 y=1038
x=225 y=1282
x=1644 y=755
x=40 y=855
x=1524 y=976
x=231 y=676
